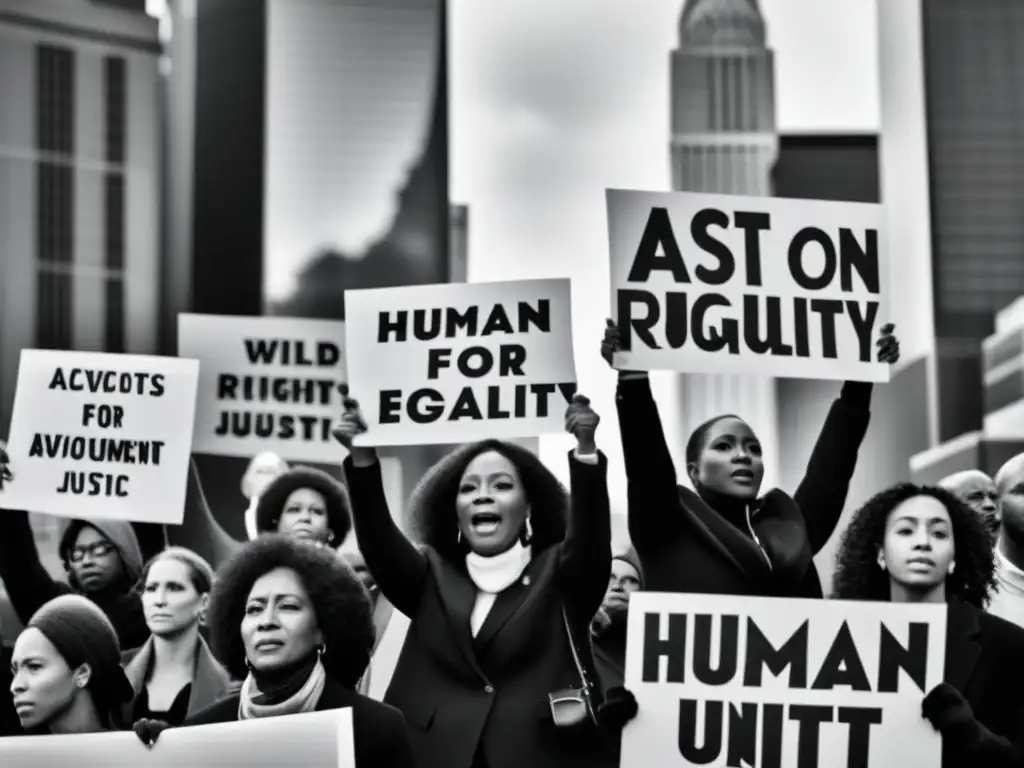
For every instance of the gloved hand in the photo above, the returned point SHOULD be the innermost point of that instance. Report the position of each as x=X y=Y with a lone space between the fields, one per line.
x=149 y=731
x=948 y=711
x=617 y=709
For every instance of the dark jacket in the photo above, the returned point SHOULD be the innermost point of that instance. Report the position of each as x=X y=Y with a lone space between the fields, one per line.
x=381 y=739
x=210 y=681
x=9 y=724
x=610 y=654
x=462 y=694
x=984 y=662
x=29 y=585
x=686 y=546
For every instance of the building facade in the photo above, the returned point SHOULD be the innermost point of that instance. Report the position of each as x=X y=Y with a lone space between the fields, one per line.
x=723 y=141
x=79 y=192
x=952 y=160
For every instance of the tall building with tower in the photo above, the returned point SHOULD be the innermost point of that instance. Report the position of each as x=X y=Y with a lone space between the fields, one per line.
x=724 y=141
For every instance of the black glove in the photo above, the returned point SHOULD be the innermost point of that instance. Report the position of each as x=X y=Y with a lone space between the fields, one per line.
x=617 y=709
x=149 y=731
x=948 y=711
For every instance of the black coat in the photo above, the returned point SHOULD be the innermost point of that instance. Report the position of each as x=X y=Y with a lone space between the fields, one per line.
x=686 y=546
x=985 y=663
x=381 y=739
x=461 y=694
x=9 y=723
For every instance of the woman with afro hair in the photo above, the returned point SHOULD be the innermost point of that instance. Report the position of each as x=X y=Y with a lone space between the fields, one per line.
x=507 y=558
x=917 y=544
x=293 y=621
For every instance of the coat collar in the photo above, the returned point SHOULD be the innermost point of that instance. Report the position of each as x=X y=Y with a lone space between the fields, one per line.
x=962 y=646
x=458 y=595
x=210 y=681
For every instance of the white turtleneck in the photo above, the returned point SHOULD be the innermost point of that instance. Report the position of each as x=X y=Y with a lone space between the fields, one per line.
x=1008 y=599
x=493 y=575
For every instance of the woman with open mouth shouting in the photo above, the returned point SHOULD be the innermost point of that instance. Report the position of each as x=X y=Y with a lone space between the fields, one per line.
x=914 y=544
x=506 y=557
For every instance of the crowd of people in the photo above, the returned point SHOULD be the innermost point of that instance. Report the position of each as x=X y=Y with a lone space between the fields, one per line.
x=515 y=604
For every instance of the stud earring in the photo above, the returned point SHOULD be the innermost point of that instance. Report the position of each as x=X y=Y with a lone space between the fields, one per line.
x=952 y=567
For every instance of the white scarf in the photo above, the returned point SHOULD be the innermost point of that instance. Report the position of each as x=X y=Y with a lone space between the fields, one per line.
x=303 y=700
x=493 y=575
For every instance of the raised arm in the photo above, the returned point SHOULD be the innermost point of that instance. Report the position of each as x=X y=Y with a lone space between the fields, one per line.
x=650 y=473
x=398 y=567
x=822 y=493
x=585 y=556
x=28 y=583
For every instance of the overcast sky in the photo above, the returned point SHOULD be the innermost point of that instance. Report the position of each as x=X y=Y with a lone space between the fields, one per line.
x=552 y=102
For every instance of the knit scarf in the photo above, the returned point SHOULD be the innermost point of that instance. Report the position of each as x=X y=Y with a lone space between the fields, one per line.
x=493 y=575
x=254 y=704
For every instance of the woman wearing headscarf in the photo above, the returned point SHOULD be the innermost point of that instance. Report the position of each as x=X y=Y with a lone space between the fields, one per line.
x=507 y=559
x=262 y=470
x=174 y=674
x=67 y=675
x=917 y=544
x=721 y=538
x=608 y=627
x=294 y=621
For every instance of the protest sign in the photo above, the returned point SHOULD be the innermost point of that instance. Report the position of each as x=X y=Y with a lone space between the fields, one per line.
x=725 y=681
x=97 y=436
x=461 y=362
x=315 y=740
x=266 y=384
x=738 y=285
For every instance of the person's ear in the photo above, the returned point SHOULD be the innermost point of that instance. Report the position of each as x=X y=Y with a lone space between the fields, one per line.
x=881 y=559
x=82 y=676
x=204 y=602
x=693 y=473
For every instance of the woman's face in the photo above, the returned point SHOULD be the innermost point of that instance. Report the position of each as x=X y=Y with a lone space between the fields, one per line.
x=279 y=626
x=170 y=601
x=730 y=462
x=44 y=686
x=918 y=547
x=305 y=516
x=491 y=504
x=264 y=469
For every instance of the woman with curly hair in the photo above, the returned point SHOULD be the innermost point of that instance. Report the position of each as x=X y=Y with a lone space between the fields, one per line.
x=507 y=560
x=721 y=538
x=915 y=543
x=294 y=621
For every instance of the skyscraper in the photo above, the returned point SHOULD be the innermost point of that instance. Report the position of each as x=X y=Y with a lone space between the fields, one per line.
x=724 y=141
x=952 y=173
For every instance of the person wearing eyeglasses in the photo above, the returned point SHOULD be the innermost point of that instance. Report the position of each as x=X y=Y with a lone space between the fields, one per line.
x=102 y=558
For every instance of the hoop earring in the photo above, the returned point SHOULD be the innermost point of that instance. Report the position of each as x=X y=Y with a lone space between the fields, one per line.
x=527 y=535
x=952 y=567
x=458 y=535
x=321 y=650
x=248 y=664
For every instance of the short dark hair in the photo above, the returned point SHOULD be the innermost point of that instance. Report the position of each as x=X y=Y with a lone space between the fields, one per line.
x=340 y=602
x=432 y=504
x=200 y=571
x=858 y=576
x=699 y=436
